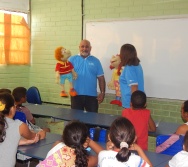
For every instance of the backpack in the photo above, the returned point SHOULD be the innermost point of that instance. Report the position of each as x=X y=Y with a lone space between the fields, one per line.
x=169 y=144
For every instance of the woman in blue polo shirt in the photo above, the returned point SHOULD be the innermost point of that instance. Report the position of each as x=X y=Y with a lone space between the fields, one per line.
x=131 y=78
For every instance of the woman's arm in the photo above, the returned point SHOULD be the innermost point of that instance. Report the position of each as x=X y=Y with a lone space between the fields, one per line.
x=134 y=88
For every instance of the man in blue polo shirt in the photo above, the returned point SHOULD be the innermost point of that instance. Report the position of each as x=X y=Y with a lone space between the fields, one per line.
x=89 y=70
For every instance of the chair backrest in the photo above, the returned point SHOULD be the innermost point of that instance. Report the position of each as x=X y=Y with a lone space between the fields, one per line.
x=169 y=144
x=33 y=95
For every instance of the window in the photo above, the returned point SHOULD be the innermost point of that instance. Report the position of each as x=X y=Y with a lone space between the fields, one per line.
x=14 y=39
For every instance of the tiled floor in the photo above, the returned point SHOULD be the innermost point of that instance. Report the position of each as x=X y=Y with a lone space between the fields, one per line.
x=33 y=163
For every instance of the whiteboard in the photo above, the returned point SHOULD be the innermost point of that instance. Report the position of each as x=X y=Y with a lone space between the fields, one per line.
x=162 y=47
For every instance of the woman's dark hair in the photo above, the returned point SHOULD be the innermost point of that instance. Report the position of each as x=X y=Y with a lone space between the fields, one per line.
x=185 y=141
x=128 y=55
x=122 y=130
x=185 y=107
x=74 y=136
x=7 y=100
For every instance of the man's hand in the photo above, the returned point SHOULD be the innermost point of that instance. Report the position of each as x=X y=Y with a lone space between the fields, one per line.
x=100 y=97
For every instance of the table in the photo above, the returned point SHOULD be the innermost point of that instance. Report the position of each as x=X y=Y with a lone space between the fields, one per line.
x=48 y=141
x=47 y=110
x=39 y=151
x=90 y=118
x=164 y=128
x=158 y=160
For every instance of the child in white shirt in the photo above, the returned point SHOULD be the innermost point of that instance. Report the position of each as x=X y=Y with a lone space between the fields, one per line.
x=181 y=158
x=121 y=141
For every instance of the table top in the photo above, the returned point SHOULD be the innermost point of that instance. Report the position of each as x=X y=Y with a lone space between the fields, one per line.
x=47 y=110
x=91 y=118
x=164 y=128
x=158 y=159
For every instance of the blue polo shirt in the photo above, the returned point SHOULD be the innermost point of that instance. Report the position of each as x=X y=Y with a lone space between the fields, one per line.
x=87 y=69
x=131 y=75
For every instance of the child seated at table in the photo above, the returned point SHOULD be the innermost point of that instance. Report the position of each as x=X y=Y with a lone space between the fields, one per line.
x=184 y=114
x=19 y=94
x=181 y=158
x=22 y=140
x=11 y=131
x=140 y=118
x=121 y=140
x=71 y=151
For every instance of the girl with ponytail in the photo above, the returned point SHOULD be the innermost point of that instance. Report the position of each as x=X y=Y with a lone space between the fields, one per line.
x=121 y=140
x=73 y=146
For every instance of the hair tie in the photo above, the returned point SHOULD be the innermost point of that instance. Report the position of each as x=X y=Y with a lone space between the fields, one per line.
x=123 y=144
x=2 y=106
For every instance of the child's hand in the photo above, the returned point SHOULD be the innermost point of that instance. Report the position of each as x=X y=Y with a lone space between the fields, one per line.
x=86 y=144
x=28 y=142
x=36 y=139
x=109 y=145
x=42 y=134
x=134 y=146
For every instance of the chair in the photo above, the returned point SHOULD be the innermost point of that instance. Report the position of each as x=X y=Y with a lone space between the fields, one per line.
x=33 y=95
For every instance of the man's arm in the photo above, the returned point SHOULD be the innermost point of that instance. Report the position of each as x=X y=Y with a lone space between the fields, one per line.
x=102 y=87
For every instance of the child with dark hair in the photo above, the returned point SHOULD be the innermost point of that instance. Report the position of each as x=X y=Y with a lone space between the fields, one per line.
x=181 y=158
x=19 y=94
x=11 y=131
x=140 y=118
x=73 y=146
x=184 y=114
x=121 y=141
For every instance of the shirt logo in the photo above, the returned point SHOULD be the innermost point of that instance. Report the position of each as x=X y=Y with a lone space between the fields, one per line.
x=91 y=64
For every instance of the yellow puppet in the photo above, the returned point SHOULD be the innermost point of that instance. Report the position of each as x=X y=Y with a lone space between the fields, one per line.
x=114 y=83
x=64 y=70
